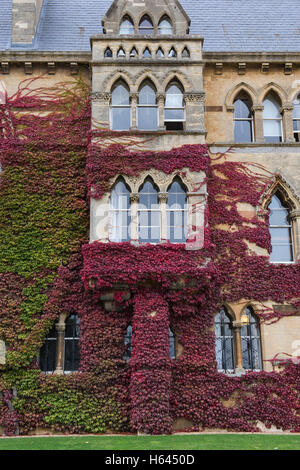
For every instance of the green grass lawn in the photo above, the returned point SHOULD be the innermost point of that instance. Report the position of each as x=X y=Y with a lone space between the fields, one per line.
x=177 y=442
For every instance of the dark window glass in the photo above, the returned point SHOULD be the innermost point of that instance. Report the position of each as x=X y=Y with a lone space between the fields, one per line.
x=48 y=352
x=172 y=344
x=251 y=344
x=128 y=343
x=146 y=26
x=72 y=333
x=108 y=53
x=177 y=213
x=149 y=214
x=243 y=119
x=281 y=231
x=224 y=341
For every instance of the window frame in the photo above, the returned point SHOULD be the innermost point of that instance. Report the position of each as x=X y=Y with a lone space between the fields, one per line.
x=296 y=102
x=223 y=338
x=290 y=227
x=270 y=119
x=239 y=96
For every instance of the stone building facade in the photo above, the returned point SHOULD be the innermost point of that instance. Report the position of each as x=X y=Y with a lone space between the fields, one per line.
x=235 y=97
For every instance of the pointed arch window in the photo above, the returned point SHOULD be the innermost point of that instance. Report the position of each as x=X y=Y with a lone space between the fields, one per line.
x=146 y=26
x=185 y=53
x=174 y=107
x=172 y=344
x=172 y=53
x=243 y=119
x=272 y=119
x=121 y=53
x=165 y=26
x=280 y=231
x=147 y=53
x=72 y=353
x=224 y=341
x=177 y=212
x=48 y=352
x=149 y=213
x=120 y=108
x=296 y=118
x=147 y=108
x=251 y=342
x=128 y=343
x=127 y=26
x=133 y=53
x=120 y=217
x=160 y=53
x=108 y=53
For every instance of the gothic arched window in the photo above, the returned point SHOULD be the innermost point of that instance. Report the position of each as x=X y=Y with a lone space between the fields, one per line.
x=272 y=119
x=127 y=26
x=174 y=107
x=108 y=53
x=128 y=343
x=251 y=344
x=147 y=108
x=177 y=212
x=72 y=353
x=120 y=108
x=224 y=341
x=146 y=25
x=243 y=119
x=120 y=212
x=296 y=118
x=281 y=231
x=48 y=351
x=149 y=213
x=165 y=26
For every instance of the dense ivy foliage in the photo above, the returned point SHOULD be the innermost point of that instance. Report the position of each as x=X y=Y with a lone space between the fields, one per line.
x=51 y=164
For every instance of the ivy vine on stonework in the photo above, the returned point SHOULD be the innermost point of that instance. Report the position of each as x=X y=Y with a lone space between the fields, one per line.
x=52 y=163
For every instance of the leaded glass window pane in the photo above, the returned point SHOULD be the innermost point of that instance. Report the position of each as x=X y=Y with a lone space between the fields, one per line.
x=251 y=344
x=72 y=334
x=174 y=106
x=147 y=109
x=48 y=352
x=280 y=231
x=224 y=342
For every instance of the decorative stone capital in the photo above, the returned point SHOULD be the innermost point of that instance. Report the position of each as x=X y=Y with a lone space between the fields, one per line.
x=286 y=107
x=134 y=197
x=60 y=327
x=161 y=97
x=257 y=107
x=295 y=214
x=163 y=197
x=134 y=97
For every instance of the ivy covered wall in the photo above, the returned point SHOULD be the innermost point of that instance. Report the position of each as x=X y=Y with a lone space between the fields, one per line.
x=50 y=167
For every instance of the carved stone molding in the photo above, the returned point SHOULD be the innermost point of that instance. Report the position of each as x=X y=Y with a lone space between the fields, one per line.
x=134 y=197
x=163 y=197
x=195 y=97
x=103 y=97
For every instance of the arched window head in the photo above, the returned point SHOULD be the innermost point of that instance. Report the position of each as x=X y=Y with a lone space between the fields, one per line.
x=47 y=359
x=147 y=108
x=108 y=53
x=128 y=343
x=149 y=213
x=133 y=53
x=280 y=231
x=72 y=353
x=121 y=53
x=120 y=107
x=296 y=118
x=160 y=53
x=185 y=53
x=120 y=212
x=174 y=107
x=172 y=344
x=243 y=118
x=165 y=26
x=272 y=118
x=177 y=212
x=146 y=25
x=147 y=53
x=224 y=341
x=127 y=26
x=172 y=53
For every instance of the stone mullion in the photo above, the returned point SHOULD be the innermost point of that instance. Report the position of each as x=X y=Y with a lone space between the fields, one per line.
x=161 y=112
x=287 y=122
x=134 y=111
x=163 y=199
x=258 y=124
x=134 y=225
x=238 y=347
x=60 y=351
x=295 y=219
